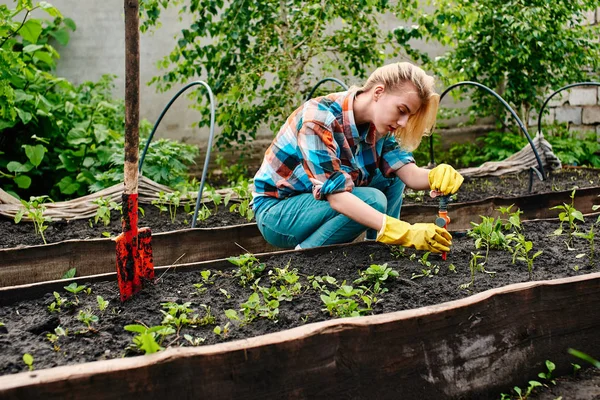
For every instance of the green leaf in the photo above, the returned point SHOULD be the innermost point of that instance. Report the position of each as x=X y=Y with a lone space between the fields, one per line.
x=28 y=359
x=35 y=153
x=45 y=57
x=135 y=328
x=15 y=166
x=70 y=23
x=23 y=181
x=69 y=274
x=62 y=36
x=24 y=115
x=231 y=314
x=67 y=185
x=32 y=48
x=31 y=30
x=148 y=343
x=50 y=9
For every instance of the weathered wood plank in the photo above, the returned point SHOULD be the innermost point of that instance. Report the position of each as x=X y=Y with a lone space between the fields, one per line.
x=468 y=348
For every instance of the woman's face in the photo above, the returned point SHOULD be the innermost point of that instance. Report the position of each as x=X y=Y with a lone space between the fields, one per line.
x=393 y=108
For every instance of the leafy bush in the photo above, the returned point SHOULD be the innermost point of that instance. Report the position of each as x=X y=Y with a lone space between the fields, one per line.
x=58 y=138
x=520 y=49
x=262 y=57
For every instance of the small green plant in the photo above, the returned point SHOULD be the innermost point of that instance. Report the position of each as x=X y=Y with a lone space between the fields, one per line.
x=249 y=268
x=176 y=314
x=194 y=341
x=521 y=252
x=550 y=367
x=28 y=360
x=376 y=273
x=87 y=317
x=203 y=213
x=69 y=274
x=168 y=202
x=102 y=304
x=524 y=396
x=35 y=208
x=200 y=289
x=55 y=305
x=475 y=265
x=105 y=206
x=146 y=338
x=589 y=236
x=206 y=277
x=222 y=332
x=254 y=308
x=225 y=293
x=243 y=208
x=75 y=289
x=54 y=337
x=429 y=270
x=568 y=214
x=207 y=319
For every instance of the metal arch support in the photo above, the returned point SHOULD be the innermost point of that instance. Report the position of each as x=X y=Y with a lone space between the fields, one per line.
x=210 y=138
x=342 y=84
x=507 y=106
x=557 y=92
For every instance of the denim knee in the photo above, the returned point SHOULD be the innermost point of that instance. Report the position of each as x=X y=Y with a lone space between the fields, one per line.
x=373 y=197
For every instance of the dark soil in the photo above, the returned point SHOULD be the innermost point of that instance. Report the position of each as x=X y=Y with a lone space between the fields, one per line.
x=27 y=323
x=22 y=234
x=513 y=185
x=584 y=385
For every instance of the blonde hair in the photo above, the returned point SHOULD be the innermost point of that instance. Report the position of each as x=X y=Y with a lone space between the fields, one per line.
x=393 y=77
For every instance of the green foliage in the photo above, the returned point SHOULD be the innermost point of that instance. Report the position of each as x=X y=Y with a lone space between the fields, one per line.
x=34 y=209
x=105 y=206
x=87 y=317
x=521 y=252
x=102 y=304
x=146 y=338
x=590 y=237
x=521 y=50
x=262 y=57
x=28 y=360
x=429 y=269
x=249 y=268
x=69 y=274
x=568 y=214
x=168 y=201
x=60 y=138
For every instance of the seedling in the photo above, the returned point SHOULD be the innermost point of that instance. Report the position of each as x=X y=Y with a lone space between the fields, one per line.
x=376 y=273
x=249 y=268
x=208 y=318
x=521 y=252
x=243 y=208
x=146 y=339
x=74 y=288
x=475 y=266
x=28 y=360
x=225 y=293
x=488 y=235
x=168 y=202
x=206 y=277
x=568 y=214
x=102 y=304
x=105 y=206
x=69 y=274
x=199 y=288
x=532 y=385
x=221 y=332
x=550 y=366
x=589 y=236
x=203 y=213
x=253 y=308
x=87 y=317
x=514 y=219
x=232 y=315
x=54 y=337
x=55 y=305
x=176 y=314
x=35 y=208
x=430 y=269
x=194 y=341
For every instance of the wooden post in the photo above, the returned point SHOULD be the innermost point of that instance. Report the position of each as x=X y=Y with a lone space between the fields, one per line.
x=132 y=95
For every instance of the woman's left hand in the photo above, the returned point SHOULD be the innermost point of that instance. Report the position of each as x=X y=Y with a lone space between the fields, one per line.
x=445 y=179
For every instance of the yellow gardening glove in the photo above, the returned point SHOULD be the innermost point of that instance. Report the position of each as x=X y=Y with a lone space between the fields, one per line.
x=429 y=237
x=445 y=179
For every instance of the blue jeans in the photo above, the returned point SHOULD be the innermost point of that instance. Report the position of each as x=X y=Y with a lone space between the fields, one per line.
x=302 y=220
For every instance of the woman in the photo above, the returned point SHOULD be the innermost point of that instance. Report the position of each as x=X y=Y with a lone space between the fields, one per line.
x=339 y=165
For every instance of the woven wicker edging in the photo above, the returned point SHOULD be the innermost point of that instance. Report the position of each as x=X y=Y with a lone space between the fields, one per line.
x=468 y=348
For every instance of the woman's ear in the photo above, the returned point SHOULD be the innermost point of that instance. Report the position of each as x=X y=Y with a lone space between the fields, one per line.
x=377 y=92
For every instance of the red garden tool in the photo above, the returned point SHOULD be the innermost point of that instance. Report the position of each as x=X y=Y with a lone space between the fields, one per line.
x=442 y=219
x=134 y=248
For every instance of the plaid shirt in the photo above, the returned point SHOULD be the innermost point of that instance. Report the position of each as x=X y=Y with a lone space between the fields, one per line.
x=320 y=149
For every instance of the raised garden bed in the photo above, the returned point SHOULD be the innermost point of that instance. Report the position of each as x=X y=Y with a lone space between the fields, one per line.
x=471 y=347
x=183 y=245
